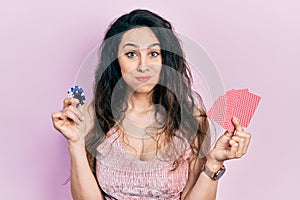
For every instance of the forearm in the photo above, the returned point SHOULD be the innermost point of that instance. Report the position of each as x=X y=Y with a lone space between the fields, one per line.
x=205 y=188
x=83 y=183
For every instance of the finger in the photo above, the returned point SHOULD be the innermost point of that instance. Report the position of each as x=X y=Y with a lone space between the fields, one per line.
x=247 y=137
x=77 y=112
x=241 y=148
x=237 y=124
x=57 y=116
x=224 y=139
x=229 y=134
x=72 y=116
x=243 y=134
x=70 y=101
x=233 y=149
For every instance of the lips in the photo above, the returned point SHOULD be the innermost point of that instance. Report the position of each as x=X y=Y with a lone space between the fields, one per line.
x=143 y=78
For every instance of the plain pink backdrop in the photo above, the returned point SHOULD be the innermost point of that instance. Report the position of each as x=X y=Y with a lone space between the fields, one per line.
x=255 y=44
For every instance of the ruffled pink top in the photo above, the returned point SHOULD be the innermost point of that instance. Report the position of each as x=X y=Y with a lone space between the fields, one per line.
x=123 y=177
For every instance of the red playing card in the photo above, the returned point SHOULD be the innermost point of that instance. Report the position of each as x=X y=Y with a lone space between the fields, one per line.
x=231 y=98
x=245 y=107
x=217 y=112
x=235 y=103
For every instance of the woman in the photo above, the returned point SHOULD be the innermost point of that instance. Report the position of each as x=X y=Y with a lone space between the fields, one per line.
x=146 y=134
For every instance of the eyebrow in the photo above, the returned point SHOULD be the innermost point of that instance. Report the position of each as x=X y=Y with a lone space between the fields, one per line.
x=137 y=46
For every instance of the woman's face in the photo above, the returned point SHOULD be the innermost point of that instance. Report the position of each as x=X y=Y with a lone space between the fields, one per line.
x=140 y=59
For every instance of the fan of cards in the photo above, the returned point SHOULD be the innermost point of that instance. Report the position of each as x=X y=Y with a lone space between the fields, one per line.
x=78 y=93
x=235 y=103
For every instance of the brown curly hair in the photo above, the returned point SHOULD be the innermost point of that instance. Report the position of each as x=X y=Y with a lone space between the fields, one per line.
x=183 y=107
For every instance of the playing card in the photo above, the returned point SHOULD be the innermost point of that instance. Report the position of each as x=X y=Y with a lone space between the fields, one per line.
x=231 y=99
x=235 y=103
x=218 y=111
x=246 y=107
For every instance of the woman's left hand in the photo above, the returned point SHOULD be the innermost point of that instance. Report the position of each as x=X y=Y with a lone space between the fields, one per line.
x=230 y=145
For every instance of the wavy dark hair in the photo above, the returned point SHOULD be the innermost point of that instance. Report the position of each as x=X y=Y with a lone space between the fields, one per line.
x=173 y=93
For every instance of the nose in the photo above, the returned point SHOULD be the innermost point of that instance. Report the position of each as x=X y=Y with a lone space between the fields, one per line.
x=143 y=64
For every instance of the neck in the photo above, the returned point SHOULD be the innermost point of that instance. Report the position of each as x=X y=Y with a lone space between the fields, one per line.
x=139 y=102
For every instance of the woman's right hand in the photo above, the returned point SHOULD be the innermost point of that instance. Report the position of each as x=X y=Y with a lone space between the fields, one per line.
x=70 y=121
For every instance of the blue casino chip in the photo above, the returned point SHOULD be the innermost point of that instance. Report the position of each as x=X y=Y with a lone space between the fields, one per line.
x=78 y=93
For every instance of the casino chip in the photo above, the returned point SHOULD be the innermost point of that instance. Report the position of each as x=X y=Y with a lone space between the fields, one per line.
x=77 y=92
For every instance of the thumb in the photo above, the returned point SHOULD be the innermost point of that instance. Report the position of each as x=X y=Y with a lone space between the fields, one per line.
x=237 y=124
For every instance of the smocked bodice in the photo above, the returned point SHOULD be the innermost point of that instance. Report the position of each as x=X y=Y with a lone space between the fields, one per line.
x=122 y=177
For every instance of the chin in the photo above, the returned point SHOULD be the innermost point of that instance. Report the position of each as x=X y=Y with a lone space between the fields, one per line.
x=144 y=89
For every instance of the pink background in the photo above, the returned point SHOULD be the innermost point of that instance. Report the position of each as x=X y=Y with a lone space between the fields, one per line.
x=255 y=44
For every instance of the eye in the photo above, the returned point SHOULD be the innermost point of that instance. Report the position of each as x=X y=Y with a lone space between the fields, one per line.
x=154 y=54
x=131 y=54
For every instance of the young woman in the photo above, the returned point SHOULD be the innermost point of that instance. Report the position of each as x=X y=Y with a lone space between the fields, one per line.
x=146 y=134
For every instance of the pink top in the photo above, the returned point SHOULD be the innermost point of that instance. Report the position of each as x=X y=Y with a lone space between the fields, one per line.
x=123 y=177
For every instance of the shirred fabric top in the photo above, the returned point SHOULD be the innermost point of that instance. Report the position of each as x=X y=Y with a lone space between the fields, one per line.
x=123 y=177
